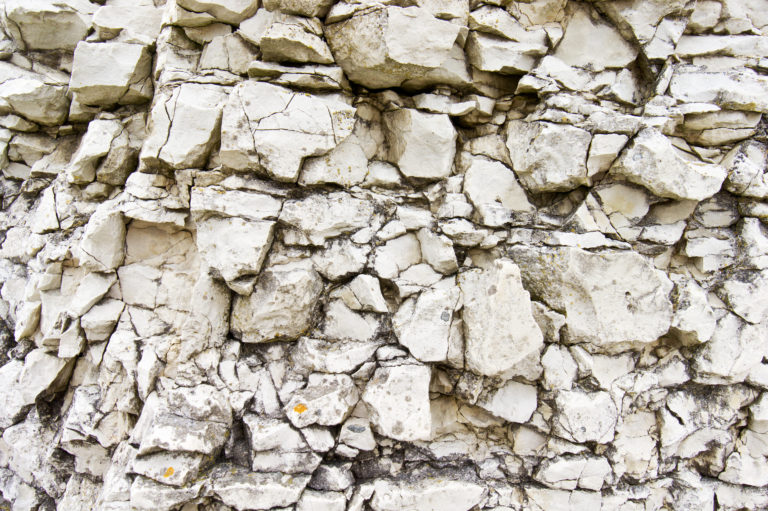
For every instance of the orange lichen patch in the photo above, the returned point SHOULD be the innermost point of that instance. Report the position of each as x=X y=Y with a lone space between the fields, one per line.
x=169 y=472
x=300 y=408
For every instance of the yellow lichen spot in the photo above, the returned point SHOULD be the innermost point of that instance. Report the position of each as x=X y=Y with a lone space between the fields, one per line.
x=169 y=472
x=300 y=408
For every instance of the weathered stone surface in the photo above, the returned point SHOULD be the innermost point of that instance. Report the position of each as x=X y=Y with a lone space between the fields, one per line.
x=262 y=121
x=421 y=144
x=281 y=304
x=326 y=400
x=499 y=325
x=109 y=73
x=548 y=157
x=384 y=47
x=632 y=307
x=243 y=490
x=494 y=191
x=398 y=400
x=423 y=324
x=652 y=161
x=227 y=11
x=420 y=255
x=426 y=494
x=48 y=25
x=184 y=126
x=322 y=217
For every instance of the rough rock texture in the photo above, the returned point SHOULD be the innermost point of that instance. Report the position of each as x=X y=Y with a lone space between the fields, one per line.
x=395 y=255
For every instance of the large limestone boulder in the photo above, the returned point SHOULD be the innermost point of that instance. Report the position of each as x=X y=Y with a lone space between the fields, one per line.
x=498 y=321
x=653 y=162
x=108 y=73
x=48 y=24
x=609 y=299
x=269 y=127
x=386 y=46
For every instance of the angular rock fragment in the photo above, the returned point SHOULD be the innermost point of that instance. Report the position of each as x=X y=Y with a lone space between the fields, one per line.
x=103 y=243
x=33 y=96
x=548 y=157
x=630 y=306
x=398 y=401
x=184 y=126
x=386 y=46
x=244 y=490
x=423 y=324
x=494 y=191
x=281 y=304
x=327 y=400
x=426 y=494
x=514 y=402
x=48 y=24
x=320 y=217
x=499 y=327
x=496 y=55
x=234 y=247
x=652 y=161
x=269 y=127
x=592 y=43
x=108 y=73
x=585 y=416
x=226 y=11
x=421 y=144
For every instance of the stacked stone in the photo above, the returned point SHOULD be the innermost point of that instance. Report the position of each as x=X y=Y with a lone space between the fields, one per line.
x=394 y=255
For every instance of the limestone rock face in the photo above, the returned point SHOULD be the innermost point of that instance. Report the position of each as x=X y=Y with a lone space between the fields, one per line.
x=384 y=47
x=383 y=255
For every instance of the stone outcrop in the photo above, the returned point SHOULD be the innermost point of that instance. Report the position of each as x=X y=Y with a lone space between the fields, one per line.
x=393 y=255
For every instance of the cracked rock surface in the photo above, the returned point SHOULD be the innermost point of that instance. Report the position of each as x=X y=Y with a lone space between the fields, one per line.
x=383 y=255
